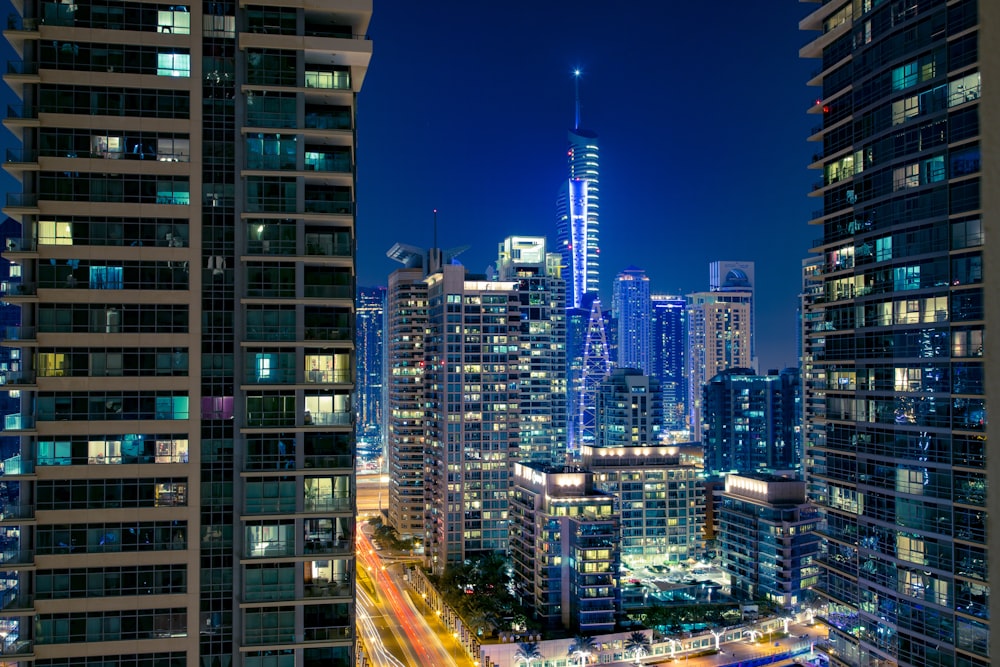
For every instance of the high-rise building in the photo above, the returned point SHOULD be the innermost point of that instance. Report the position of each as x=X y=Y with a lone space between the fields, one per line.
x=737 y=276
x=632 y=310
x=564 y=548
x=471 y=418
x=578 y=212
x=718 y=338
x=542 y=294
x=898 y=455
x=406 y=316
x=587 y=366
x=188 y=264
x=661 y=499
x=370 y=397
x=667 y=350
x=767 y=539
x=629 y=410
x=750 y=422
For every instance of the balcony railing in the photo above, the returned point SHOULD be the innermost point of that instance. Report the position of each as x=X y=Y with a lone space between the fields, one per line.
x=18 y=289
x=21 y=156
x=15 y=465
x=21 y=200
x=326 y=634
x=328 y=333
x=21 y=67
x=328 y=249
x=328 y=505
x=271 y=333
x=22 y=111
x=17 y=513
x=17 y=377
x=276 y=549
x=330 y=461
x=328 y=377
x=327 y=291
x=21 y=245
x=325 y=206
x=327 y=419
x=18 y=422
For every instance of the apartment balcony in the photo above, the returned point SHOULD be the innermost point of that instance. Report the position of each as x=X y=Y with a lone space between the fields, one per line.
x=272 y=549
x=18 y=292
x=15 y=603
x=15 y=466
x=15 y=246
x=328 y=505
x=17 y=514
x=20 y=116
x=19 y=205
x=18 y=380
x=333 y=589
x=20 y=160
x=18 y=422
x=287 y=206
x=15 y=559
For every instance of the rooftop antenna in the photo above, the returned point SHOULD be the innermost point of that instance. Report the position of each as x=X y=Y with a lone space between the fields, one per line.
x=435 y=245
x=576 y=90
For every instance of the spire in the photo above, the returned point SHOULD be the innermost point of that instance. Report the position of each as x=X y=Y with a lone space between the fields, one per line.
x=576 y=91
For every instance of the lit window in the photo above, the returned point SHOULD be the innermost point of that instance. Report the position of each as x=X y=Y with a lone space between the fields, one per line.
x=174 y=19
x=173 y=64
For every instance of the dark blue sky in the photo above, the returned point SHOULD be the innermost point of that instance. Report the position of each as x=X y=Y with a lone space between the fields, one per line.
x=700 y=108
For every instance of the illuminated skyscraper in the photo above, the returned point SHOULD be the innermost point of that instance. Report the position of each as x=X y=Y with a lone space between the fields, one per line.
x=578 y=214
x=733 y=276
x=632 y=311
x=542 y=294
x=370 y=343
x=718 y=338
x=668 y=347
x=901 y=366
x=187 y=439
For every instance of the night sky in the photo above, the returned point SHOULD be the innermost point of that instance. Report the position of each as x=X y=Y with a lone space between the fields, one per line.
x=700 y=108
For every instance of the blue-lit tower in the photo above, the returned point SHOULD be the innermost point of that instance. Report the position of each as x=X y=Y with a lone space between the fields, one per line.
x=370 y=341
x=578 y=212
x=632 y=313
x=668 y=344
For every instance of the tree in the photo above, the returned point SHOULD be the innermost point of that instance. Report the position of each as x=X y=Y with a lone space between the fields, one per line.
x=582 y=648
x=528 y=652
x=638 y=645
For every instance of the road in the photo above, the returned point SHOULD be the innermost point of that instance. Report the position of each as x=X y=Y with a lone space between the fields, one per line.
x=373 y=493
x=393 y=615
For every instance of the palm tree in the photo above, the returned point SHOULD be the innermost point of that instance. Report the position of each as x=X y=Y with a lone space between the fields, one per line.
x=638 y=645
x=582 y=648
x=528 y=652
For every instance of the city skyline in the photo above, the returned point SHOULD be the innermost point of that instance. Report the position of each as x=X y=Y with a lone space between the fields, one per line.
x=484 y=142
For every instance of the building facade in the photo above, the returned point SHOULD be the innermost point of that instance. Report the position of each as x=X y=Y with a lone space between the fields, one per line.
x=718 y=338
x=587 y=364
x=661 y=500
x=472 y=369
x=564 y=548
x=629 y=410
x=632 y=311
x=542 y=294
x=750 y=422
x=370 y=343
x=578 y=217
x=188 y=263
x=406 y=312
x=767 y=539
x=897 y=451
x=667 y=351
x=737 y=276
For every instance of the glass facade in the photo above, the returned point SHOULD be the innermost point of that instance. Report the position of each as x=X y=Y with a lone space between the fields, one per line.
x=894 y=395
x=188 y=286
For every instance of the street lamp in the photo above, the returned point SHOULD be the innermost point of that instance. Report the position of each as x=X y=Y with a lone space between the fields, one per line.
x=716 y=636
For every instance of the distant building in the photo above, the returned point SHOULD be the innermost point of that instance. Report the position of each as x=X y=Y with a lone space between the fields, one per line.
x=10 y=357
x=737 y=276
x=587 y=363
x=406 y=314
x=751 y=421
x=629 y=410
x=667 y=350
x=632 y=310
x=564 y=548
x=767 y=538
x=370 y=392
x=541 y=290
x=718 y=338
x=578 y=217
x=661 y=500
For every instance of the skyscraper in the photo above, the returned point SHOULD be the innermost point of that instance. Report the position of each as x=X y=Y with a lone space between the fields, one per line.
x=578 y=212
x=718 y=338
x=667 y=352
x=588 y=365
x=370 y=398
x=898 y=448
x=737 y=276
x=629 y=410
x=406 y=314
x=632 y=309
x=750 y=421
x=188 y=260
x=472 y=416
x=542 y=295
